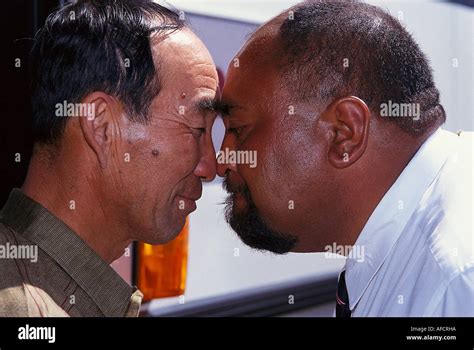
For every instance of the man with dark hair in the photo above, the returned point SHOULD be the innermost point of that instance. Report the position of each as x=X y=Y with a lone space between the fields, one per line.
x=338 y=102
x=123 y=107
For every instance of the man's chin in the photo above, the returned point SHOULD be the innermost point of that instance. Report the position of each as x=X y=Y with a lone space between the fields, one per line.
x=244 y=219
x=164 y=233
x=176 y=229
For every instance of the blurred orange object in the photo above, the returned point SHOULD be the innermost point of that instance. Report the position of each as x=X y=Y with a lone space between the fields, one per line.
x=161 y=269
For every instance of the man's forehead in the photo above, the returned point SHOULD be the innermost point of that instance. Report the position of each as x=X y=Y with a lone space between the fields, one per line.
x=270 y=28
x=256 y=74
x=266 y=36
x=260 y=52
x=173 y=37
x=256 y=65
x=182 y=59
x=181 y=46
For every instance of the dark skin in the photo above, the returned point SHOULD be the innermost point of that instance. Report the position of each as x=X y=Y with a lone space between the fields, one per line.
x=333 y=160
x=130 y=180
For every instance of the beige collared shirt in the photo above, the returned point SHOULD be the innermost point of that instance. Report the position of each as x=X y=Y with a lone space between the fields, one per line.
x=48 y=270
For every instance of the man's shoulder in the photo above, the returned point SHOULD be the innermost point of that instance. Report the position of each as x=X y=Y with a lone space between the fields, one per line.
x=444 y=214
x=440 y=229
x=8 y=264
x=25 y=287
x=13 y=300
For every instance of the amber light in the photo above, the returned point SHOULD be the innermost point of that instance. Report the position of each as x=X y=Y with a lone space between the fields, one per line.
x=161 y=269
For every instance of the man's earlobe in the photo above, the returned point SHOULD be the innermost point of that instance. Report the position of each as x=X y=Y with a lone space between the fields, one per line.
x=97 y=125
x=350 y=126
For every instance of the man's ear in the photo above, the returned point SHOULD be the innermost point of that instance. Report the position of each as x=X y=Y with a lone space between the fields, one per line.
x=98 y=124
x=349 y=122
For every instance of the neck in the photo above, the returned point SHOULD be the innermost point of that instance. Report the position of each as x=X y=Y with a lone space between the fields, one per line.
x=370 y=187
x=71 y=196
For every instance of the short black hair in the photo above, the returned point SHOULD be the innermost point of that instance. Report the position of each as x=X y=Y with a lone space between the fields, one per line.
x=331 y=49
x=96 y=45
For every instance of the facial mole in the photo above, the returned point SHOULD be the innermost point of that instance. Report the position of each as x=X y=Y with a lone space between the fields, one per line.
x=183 y=95
x=155 y=152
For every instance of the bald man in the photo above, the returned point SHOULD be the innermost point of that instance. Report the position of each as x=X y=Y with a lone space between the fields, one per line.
x=122 y=112
x=339 y=103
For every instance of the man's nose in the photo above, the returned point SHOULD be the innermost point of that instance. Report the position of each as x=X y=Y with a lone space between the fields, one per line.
x=223 y=164
x=206 y=168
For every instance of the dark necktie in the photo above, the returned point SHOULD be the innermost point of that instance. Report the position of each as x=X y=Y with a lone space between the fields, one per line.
x=342 y=298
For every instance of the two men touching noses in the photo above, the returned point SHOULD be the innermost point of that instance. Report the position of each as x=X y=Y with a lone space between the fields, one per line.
x=305 y=97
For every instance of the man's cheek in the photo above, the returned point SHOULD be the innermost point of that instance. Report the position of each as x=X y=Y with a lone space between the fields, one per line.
x=181 y=156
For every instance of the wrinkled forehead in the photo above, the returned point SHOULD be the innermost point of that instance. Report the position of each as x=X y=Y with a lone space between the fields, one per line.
x=183 y=39
x=181 y=57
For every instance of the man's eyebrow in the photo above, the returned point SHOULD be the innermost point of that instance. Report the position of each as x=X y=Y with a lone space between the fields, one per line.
x=224 y=108
x=207 y=104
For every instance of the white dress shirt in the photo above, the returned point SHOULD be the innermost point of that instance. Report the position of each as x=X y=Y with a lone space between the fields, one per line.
x=418 y=243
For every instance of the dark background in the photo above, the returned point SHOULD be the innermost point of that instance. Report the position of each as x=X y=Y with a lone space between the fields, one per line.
x=20 y=19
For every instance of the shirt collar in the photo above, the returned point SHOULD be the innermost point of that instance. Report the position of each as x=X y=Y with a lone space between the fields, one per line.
x=103 y=285
x=387 y=221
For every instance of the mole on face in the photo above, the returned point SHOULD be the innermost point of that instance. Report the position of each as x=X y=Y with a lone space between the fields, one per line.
x=155 y=152
x=183 y=95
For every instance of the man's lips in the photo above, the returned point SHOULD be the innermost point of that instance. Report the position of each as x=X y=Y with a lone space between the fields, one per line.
x=189 y=200
x=186 y=204
x=193 y=196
